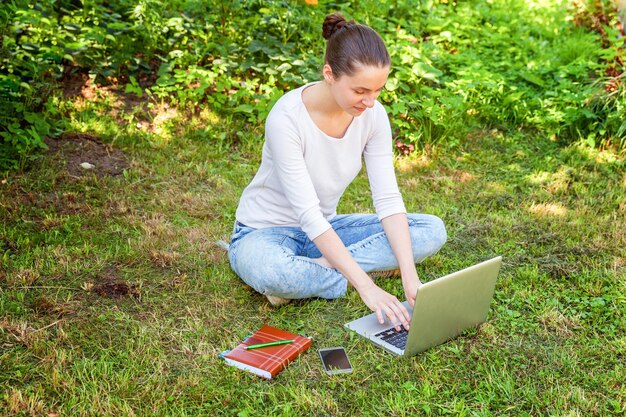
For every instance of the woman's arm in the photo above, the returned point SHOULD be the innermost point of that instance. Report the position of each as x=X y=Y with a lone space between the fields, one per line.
x=397 y=230
x=378 y=300
x=388 y=202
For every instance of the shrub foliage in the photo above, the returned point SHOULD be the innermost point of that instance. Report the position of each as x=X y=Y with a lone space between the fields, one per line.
x=551 y=67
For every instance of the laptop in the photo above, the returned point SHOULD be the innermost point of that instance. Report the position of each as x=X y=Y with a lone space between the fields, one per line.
x=444 y=308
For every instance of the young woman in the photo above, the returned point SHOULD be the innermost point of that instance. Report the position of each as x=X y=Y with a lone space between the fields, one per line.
x=288 y=241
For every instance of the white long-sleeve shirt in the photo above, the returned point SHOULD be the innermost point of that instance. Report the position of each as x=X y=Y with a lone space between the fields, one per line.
x=304 y=172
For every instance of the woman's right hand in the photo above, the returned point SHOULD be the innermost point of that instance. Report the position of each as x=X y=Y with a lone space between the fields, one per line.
x=334 y=253
x=381 y=302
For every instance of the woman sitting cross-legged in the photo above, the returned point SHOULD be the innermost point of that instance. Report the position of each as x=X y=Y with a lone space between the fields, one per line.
x=288 y=241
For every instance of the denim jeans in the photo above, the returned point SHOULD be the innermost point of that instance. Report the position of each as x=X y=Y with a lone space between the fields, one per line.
x=278 y=260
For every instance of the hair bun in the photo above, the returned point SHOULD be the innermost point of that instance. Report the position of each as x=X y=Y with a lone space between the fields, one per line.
x=333 y=23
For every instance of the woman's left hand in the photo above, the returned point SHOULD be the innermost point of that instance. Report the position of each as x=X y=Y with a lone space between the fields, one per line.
x=410 y=288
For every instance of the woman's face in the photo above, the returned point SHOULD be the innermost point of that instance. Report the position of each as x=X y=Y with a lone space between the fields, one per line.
x=357 y=92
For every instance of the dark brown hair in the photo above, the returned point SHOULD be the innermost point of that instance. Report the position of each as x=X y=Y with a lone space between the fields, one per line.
x=350 y=44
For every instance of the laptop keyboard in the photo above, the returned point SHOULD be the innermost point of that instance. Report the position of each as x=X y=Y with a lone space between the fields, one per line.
x=395 y=338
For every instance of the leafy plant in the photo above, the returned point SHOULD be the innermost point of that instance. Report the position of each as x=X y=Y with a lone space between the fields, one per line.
x=456 y=65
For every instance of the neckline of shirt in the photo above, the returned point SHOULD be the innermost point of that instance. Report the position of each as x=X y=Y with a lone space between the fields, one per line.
x=310 y=119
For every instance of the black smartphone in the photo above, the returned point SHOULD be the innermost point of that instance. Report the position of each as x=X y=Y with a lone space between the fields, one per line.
x=335 y=360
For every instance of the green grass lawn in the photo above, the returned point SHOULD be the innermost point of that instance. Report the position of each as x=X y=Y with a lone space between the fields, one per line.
x=115 y=301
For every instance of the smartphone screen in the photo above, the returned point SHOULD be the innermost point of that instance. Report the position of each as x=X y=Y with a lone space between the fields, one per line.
x=335 y=360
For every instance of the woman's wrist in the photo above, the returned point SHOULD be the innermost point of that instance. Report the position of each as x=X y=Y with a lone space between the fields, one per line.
x=409 y=274
x=361 y=281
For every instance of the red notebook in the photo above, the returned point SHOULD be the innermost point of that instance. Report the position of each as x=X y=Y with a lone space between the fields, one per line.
x=266 y=362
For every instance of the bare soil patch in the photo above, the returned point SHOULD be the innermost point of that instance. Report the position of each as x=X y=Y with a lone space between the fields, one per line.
x=116 y=289
x=76 y=84
x=109 y=285
x=79 y=148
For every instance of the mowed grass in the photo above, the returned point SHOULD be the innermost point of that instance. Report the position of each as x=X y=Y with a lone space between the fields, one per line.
x=114 y=299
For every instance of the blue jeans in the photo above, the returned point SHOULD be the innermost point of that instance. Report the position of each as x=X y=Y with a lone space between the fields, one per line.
x=278 y=260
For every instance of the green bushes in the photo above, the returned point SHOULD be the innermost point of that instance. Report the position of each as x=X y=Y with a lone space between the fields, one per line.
x=509 y=64
x=23 y=92
x=513 y=66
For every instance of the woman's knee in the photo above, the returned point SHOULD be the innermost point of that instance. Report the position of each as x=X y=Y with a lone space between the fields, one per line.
x=260 y=274
x=439 y=233
x=268 y=273
x=428 y=234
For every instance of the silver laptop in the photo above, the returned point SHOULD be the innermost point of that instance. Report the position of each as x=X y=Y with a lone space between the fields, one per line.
x=444 y=308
